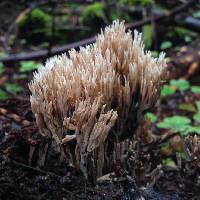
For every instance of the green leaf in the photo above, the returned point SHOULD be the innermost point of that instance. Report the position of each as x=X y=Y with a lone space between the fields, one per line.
x=148 y=35
x=167 y=90
x=196 y=117
x=13 y=88
x=195 y=89
x=196 y=129
x=1 y=68
x=169 y=162
x=191 y=129
x=181 y=84
x=3 y=95
x=187 y=107
x=27 y=66
x=198 y=105
x=179 y=123
x=151 y=117
x=165 y=45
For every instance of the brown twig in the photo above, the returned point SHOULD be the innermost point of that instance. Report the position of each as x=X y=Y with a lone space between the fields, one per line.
x=57 y=50
x=43 y=53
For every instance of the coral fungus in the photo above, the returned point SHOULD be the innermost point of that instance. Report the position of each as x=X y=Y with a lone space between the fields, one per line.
x=97 y=95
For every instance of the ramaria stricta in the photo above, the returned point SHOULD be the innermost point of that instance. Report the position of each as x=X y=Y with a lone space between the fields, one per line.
x=97 y=96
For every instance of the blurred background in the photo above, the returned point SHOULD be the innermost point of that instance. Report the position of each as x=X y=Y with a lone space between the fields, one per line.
x=34 y=25
x=31 y=31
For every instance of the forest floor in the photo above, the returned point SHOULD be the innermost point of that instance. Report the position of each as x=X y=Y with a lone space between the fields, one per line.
x=20 y=142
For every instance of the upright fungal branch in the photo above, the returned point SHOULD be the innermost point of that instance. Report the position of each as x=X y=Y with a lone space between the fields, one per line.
x=97 y=96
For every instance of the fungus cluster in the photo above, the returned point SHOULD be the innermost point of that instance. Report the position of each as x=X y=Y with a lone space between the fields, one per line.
x=97 y=95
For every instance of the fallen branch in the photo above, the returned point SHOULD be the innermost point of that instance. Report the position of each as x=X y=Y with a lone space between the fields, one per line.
x=42 y=54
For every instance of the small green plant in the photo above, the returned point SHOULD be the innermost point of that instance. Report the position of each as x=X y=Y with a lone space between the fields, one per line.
x=28 y=66
x=183 y=124
x=151 y=117
x=169 y=162
x=167 y=90
x=195 y=89
x=176 y=122
x=165 y=45
x=179 y=84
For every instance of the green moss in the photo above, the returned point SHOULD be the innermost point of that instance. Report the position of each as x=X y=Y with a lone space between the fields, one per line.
x=93 y=14
x=35 y=27
x=136 y=2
